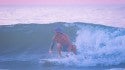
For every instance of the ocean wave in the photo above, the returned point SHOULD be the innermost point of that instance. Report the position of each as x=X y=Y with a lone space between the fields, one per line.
x=96 y=44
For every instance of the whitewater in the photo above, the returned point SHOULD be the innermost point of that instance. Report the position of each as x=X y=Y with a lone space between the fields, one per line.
x=98 y=45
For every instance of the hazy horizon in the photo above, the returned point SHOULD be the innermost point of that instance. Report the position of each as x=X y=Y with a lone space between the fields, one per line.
x=105 y=15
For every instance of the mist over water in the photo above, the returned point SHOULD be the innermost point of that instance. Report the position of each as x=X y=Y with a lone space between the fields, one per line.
x=106 y=15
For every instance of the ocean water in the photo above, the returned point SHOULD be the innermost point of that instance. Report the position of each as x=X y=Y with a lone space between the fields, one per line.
x=99 y=47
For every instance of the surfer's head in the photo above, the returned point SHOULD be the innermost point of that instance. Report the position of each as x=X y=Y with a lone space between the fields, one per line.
x=58 y=30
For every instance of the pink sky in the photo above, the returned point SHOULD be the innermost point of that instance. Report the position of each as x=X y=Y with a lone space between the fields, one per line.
x=60 y=2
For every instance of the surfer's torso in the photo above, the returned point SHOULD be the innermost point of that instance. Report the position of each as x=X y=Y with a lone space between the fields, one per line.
x=62 y=38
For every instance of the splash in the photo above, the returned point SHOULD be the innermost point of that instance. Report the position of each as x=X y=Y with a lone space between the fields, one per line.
x=98 y=45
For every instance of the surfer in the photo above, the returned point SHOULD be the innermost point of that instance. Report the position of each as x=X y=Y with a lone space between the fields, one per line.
x=62 y=41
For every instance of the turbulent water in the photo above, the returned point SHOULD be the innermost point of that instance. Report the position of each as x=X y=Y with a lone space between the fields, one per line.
x=97 y=45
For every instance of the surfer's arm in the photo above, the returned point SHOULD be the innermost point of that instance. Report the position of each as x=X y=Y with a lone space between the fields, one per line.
x=52 y=45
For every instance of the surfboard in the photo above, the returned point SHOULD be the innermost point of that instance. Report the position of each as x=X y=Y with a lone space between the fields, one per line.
x=56 y=59
x=53 y=60
x=49 y=61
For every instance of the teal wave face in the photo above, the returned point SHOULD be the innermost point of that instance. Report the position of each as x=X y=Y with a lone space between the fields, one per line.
x=29 y=39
